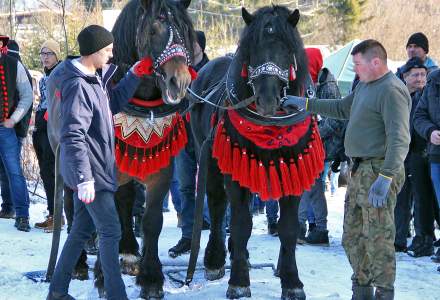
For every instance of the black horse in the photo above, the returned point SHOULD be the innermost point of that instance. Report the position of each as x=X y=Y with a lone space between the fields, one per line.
x=159 y=31
x=269 y=64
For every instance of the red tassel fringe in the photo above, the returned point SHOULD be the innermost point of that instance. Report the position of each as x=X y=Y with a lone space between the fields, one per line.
x=275 y=186
x=296 y=175
x=153 y=159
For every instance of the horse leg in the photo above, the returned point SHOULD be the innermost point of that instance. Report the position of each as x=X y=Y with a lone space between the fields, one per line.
x=128 y=245
x=241 y=227
x=288 y=226
x=215 y=252
x=150 y=276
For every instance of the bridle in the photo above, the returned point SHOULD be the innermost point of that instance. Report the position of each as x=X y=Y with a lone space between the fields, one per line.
x=242 y=106
x=175 y=47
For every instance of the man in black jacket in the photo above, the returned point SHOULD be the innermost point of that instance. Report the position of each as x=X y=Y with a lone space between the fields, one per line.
x=427 y=124
x=50 y=57
x=417 y=184
x=88 y=158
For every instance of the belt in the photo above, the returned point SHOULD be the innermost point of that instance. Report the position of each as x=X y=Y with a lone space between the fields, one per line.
x=358 y=160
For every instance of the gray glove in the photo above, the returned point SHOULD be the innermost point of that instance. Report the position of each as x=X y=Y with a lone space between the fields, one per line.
x=294 y=103
x=377 y=196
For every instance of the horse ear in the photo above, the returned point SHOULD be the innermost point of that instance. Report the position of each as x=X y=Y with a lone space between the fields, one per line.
x=293 y=18
x=185 y=3
x=247 y=17
x=145 y=4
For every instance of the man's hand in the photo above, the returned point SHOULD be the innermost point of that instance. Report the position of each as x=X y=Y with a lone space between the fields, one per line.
x=377 y=196
x=294 y=103
x=86 y=191
x=435 y=137
x=8 y=123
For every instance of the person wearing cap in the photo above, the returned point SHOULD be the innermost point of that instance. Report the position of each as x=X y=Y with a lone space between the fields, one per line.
x=417 y=182
x=427 y=125
x=418 y=45
x=15 y=100
x=186 y=169
x=50 y=55
x=87 y=156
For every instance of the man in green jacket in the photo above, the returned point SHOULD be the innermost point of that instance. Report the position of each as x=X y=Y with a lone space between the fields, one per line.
x=377 y=139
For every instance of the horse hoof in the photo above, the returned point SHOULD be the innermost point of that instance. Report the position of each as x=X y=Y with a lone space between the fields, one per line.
x=293 y=294
x=214 y=274
x=237 y=292
x=80 y=274
x=129 y=264
x=152 y=293
x=102 y=294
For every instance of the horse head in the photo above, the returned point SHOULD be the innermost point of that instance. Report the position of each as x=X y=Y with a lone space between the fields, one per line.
x=162 y=31
x=272 y=57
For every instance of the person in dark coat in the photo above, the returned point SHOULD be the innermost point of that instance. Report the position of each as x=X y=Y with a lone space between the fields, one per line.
x=87 y=156
x=50 y=57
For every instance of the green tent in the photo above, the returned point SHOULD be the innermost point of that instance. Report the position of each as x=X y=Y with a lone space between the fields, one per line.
x=341 y=65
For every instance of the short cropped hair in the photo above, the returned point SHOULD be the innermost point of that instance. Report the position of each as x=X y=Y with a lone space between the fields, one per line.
x=370 y=49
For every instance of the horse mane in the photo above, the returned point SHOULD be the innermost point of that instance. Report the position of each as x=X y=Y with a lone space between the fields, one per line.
x=254 y=33
x=125 y=29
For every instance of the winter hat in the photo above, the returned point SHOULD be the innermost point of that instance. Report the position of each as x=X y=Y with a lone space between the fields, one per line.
x=314 y=56
x=420 y=40
x=201 y=39
x=414 y=62
x=93 y=38
x=52 y=46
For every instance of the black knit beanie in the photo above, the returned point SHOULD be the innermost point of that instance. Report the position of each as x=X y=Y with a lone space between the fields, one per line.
x=420 y=40
x=93 y=38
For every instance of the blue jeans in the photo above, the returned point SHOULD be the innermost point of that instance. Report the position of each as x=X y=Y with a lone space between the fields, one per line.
x=272 y=211
x=435 y=177
x=186 y=171
x=7 y=204
x=102 y=215
x=174 y=190
x=12 y=178
x=316 y=199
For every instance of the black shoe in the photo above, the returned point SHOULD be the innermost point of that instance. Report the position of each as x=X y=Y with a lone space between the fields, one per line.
x=272 y=229
x=436 y=257
x=400 y=248
x=416 y=243
x=22 y=224
x=425 y=249
x=182 y=247
x=318 y=237
x=7 y=214
x=383 y=294
x=206 y=225
x=301 y=239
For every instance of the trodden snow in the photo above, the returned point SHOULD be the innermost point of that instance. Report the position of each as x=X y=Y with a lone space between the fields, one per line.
x=324 y=271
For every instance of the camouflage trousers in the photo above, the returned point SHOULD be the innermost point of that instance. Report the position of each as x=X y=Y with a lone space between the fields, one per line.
x=369 y=232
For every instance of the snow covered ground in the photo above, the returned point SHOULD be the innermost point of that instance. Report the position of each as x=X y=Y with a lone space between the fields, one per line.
x=324 y=271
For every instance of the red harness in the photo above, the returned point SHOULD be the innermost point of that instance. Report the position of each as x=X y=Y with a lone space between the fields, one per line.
x=278 y=161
